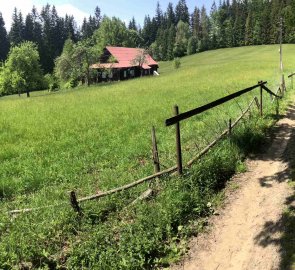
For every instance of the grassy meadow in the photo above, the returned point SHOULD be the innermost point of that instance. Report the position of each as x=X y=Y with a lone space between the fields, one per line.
x=97 y=138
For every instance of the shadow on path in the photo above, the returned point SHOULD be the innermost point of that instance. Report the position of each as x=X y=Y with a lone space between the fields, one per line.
x=282 y=232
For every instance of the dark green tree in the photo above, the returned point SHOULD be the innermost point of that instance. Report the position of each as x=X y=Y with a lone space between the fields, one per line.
x=4 y=43
x=181 y=12
x=16 y=34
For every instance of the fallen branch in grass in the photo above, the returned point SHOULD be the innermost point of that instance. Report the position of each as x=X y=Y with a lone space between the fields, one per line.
x=145 y=195
x=128 y=186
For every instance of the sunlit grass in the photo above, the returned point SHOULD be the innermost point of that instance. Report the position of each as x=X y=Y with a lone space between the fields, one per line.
x=93 y=139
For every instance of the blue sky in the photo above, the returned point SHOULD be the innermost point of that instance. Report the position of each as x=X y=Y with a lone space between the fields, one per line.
x=124 y=9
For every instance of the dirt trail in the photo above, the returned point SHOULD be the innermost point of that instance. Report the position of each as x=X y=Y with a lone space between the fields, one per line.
x=247 y=233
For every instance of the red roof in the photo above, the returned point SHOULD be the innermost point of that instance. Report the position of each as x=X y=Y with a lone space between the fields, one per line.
x=125 y=57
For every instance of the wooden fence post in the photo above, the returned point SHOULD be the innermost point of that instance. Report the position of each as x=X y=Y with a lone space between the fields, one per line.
x=257 y=103
x=155 y=151
x=74 y=202
x=178 y=142
x=261 y=99
x=283 y=83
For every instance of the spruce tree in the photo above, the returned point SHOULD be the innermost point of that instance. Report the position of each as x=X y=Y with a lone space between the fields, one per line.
x=16 y=34
x=4 y=43
x=181 y=12
x=170 y=15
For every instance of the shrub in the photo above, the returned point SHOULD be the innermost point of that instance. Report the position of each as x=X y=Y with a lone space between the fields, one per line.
x=177 y=63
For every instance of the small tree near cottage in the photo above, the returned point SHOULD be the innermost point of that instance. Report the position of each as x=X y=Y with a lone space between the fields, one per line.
x=140 y=59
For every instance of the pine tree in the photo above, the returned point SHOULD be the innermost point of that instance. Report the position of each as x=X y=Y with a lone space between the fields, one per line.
x=29 y=28
x=195 y=23
x=4 y=43
x=16 y=34
x=181 y=12
x=170 y=15
x=132 y=25
x=249 y=30
x=204 y=41
x=159 y=15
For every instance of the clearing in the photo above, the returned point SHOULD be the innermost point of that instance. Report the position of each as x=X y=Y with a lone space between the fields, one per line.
x=253 y=229
x=94 y=139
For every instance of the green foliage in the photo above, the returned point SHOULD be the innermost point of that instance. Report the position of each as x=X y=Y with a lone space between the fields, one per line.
x=181 y=39
x=176 y=63
x=74 y=63
x=51 y=81
x=4 y=43
x=94 y=139
x=21 y=72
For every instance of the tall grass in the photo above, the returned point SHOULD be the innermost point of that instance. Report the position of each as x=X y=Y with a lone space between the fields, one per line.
x=93 y=139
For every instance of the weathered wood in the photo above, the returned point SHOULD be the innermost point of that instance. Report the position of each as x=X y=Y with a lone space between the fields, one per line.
x=224 y=133
x=261 y=101
x=155 y=151
x=145 y=195
x=270 y=92
x=26 y=210
x=188 y=114
x=128 y=186
x=284 y=83
x=178 y=142
x=257 y=103
x=74 y=202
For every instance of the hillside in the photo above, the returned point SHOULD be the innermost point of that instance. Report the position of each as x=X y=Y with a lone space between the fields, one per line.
x=93 y=139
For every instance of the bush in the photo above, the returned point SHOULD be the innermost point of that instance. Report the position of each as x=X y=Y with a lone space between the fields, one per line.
x=177 y=63
x=51 y=82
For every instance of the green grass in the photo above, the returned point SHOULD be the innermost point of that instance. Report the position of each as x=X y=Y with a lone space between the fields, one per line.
x=93 y=139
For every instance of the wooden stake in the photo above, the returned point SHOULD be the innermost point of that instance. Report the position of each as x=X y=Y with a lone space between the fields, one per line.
x=178 y=142
x=74 y=202
x=261 y=98
x=284 y=83
x=155 y=151
x=257 y=103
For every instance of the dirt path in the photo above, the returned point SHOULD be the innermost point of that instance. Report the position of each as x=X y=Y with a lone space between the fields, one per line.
x=248 y=231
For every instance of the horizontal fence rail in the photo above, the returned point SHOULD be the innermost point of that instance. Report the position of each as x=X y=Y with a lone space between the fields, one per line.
x=173 y=120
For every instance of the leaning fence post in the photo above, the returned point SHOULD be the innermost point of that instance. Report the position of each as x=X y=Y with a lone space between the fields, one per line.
x=74 y=202
x=283 y=83
x=229 y=128
x=178 y=142
x=261 y=97
x=155 y=151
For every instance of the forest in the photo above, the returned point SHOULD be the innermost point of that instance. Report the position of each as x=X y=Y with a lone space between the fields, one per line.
x=64 y=52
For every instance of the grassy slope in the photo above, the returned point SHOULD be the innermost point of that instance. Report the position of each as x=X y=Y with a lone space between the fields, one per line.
x=97 y=138
x=60 y=139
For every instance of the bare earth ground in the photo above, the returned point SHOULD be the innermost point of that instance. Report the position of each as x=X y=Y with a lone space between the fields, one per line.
x=248 y=232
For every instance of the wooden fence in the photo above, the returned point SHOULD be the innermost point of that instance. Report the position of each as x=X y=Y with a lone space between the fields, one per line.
x=175 y=120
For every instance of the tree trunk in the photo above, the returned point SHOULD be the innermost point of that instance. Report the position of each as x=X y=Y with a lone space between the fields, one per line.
x=28 y=93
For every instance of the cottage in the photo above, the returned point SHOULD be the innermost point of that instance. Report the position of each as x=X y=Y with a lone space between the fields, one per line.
x=119 y=63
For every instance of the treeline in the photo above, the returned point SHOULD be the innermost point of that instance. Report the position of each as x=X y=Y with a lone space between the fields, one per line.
x=46 y=29
x=66 y=51
x=177 y=32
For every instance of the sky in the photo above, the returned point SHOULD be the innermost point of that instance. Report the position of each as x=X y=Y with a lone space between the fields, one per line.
x=124 y=9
